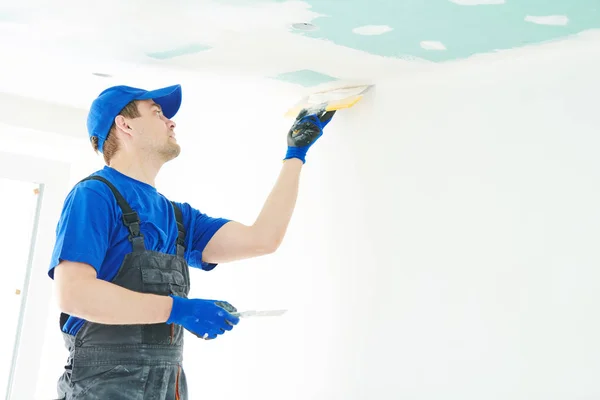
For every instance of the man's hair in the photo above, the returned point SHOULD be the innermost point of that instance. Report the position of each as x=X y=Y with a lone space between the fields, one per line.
x=111 y=144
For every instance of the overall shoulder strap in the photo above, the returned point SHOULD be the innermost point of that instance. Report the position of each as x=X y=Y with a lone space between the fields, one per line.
x=130 y=217
x=181 y=229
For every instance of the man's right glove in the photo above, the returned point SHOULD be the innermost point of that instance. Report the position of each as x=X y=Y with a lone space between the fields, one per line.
x=204 y=318
x=306 y=130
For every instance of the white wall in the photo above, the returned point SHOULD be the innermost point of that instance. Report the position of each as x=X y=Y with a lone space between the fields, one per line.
x=475 y=199
x=444 y=243
x=473 y=269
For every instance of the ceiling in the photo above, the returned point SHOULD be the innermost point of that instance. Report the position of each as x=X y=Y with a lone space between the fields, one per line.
x=442 y=30
x=300 y=42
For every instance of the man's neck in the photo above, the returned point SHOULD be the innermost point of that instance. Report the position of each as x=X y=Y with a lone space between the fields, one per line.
x=143 y=170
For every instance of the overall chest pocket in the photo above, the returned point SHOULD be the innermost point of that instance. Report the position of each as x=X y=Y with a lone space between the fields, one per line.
x=164 y=277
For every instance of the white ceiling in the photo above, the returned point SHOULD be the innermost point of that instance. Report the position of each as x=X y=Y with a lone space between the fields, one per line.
x=47 y=44
x=51 y=49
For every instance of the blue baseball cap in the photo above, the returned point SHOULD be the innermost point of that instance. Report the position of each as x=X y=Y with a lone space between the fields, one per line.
x=110 y=102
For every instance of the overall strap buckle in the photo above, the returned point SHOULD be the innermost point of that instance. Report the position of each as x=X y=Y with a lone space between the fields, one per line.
x=132 y=222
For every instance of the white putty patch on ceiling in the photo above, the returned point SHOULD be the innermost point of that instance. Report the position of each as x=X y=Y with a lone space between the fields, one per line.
x=372 y=30
x=432 y=45
x=548 y=19
x=207 y=22
x=477 y=2
x=178 y=51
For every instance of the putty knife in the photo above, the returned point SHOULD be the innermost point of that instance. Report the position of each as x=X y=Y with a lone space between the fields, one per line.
x=330 y=99
x=261 y=313
x=254 y=313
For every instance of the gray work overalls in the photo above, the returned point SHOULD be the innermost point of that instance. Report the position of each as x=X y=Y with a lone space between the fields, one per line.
x=132 y=362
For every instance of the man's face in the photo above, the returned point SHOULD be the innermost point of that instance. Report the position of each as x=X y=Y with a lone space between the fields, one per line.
x=155 y=132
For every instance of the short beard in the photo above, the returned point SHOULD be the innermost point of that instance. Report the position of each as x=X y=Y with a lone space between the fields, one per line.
x=170 y=152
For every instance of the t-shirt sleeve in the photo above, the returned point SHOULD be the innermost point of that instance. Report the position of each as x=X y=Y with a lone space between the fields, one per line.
x=200 y=230
x=84 y=227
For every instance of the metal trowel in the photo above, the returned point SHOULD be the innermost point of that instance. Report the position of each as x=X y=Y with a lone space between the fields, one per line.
x=259 y=313
x=249 y=313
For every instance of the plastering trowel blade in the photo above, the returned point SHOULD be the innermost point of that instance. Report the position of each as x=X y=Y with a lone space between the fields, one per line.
x=330 y=99
x=255 y=313
x=261 y=313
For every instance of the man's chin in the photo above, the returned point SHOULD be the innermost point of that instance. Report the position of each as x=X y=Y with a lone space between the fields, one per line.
x=171 y=152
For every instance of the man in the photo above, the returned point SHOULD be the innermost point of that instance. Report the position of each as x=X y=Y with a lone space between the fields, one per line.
x=122 y=251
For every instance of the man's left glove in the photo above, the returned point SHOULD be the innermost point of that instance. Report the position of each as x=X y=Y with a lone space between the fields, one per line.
x=305 y=131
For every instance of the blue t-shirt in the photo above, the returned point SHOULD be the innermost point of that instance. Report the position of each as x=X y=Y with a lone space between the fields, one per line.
x=91 y=230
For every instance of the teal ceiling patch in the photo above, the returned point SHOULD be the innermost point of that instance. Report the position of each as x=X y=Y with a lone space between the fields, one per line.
x=178 y=51
x=477 y=2
x=372 y=30
x=305 y=77
x=442 y=30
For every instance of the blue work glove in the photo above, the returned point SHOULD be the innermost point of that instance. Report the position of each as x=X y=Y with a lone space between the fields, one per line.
x=204 y=318
x=305 y=131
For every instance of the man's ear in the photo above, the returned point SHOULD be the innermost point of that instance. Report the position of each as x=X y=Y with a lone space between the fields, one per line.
x=121 y=123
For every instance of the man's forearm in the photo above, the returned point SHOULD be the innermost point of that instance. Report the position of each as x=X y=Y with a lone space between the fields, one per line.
x=106 y=303
x=275 y=216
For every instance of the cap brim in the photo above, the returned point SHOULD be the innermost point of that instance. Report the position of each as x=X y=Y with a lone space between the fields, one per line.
x=168 y=98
